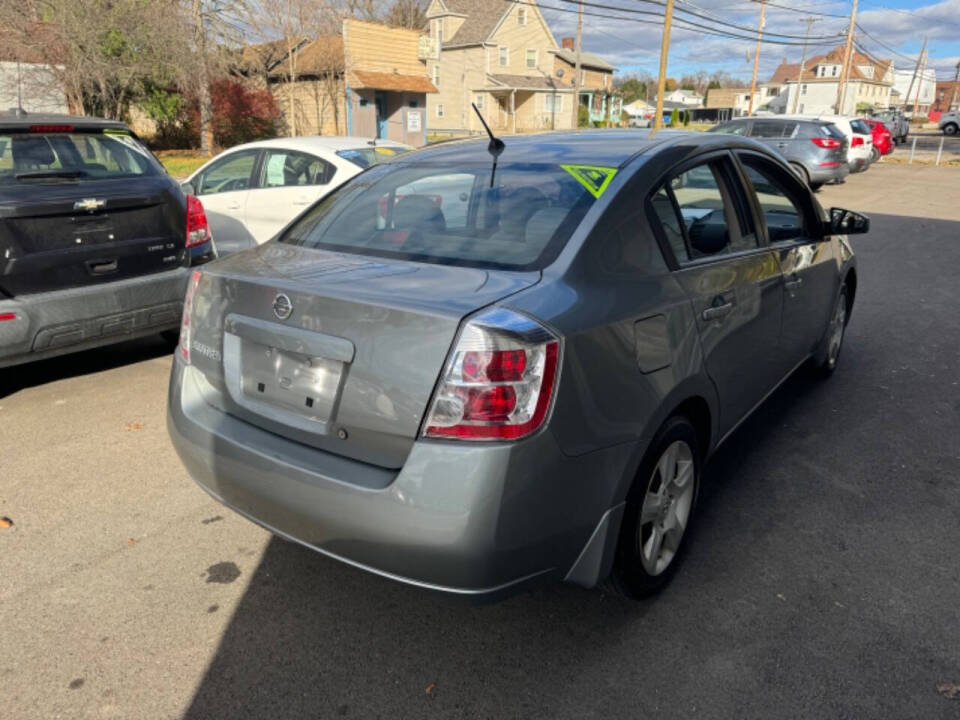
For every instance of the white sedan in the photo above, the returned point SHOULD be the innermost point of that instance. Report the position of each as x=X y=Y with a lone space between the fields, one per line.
x=251 y=191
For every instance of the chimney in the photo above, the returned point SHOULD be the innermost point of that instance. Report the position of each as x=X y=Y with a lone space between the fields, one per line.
x=567 y=43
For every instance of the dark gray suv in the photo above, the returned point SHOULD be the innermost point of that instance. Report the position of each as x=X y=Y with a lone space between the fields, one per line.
x=815 y=149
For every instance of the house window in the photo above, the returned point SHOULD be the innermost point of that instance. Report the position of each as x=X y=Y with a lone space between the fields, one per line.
x=521 y=16
x=478 y=101
x=436 y=75
x=834 y=70
x=801 y=108
x=440 y=110
x=440 y=31
x=803 y=89
x=504 y=56
x=531 y=57
x=553 y=103
x=583 y=77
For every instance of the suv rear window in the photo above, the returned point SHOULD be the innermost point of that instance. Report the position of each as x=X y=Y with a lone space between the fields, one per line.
x=30 y=157
x=831 y=130
x=450 y=215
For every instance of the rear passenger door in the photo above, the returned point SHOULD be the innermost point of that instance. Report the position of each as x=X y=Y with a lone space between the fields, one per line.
x=731 y=278
x=289 y=181
x=788 y=217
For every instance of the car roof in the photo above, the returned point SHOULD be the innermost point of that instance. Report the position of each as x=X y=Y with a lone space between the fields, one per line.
x=317 y=143
x=12 y=118
x=601 y=147
x=795 y=118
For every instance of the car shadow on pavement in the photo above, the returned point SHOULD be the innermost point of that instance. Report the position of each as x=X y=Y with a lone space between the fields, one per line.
x=62 y=367
x=314 y=638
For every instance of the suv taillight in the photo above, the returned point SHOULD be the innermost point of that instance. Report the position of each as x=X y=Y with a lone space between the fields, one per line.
x=857 y=141
x=184 y=345
x=498 y=381
x=827 y=143
x=198 y=229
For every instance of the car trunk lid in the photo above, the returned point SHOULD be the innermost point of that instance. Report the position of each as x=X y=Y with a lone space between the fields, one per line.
x=337 y=351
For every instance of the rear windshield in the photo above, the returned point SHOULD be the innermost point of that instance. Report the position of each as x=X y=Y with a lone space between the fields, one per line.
x=452 y=215
x=831 y=130
x=367 y=156
x=32 y=157
x=860 y=127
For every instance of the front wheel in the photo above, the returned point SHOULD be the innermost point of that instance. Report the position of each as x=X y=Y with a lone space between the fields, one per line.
x=826 y=360
x=951 y=129
x=659 y=510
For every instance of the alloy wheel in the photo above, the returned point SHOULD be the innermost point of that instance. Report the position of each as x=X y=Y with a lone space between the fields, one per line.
x=666 y=507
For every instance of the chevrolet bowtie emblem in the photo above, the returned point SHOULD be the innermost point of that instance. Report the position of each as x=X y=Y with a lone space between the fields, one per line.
x=89 y=204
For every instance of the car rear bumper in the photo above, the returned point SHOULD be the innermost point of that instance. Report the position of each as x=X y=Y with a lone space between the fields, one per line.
x=822 y=174
x=61 y=321
x=477 y=520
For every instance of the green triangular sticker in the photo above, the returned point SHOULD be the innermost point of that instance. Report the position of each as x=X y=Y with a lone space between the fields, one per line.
x=593 y=177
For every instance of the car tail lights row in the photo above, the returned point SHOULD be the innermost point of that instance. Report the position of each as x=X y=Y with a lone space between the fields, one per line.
x=827 y=143
x=198 y=229
x=498 y=381
x=184 y=346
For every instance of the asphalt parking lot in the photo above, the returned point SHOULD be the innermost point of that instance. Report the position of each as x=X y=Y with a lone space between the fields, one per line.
x=823 y=582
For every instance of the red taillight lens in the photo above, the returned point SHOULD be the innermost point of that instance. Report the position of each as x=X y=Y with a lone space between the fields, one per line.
x=198 y=229
x=827 y=143
x=498 y=382
x=856 y=142
x=7 y=316
x=184 y=345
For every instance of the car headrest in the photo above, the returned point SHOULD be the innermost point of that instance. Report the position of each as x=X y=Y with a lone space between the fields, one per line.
x=543 y=224
x=418 y=212
x=32 y=151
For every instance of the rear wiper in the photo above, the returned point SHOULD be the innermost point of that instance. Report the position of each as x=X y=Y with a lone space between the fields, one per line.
x=42 y=174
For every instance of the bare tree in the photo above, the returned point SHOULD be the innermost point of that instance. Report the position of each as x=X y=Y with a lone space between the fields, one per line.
x=407 y=14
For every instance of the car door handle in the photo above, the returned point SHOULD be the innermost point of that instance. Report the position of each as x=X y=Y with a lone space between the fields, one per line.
x=793 y=283
x=716 y=312
x=302 y=201
x=233 y=206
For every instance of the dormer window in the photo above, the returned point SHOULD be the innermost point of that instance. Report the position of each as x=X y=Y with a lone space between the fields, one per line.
x=521 y=16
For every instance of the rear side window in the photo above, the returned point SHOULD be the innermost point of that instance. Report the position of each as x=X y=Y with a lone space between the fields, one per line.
x=733 y=128
x=427 y=213
x=771 y=129
x=288 y=168
x=30 y=157
x=697 y=214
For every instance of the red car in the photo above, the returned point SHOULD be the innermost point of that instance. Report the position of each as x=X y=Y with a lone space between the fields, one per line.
x=882 y=139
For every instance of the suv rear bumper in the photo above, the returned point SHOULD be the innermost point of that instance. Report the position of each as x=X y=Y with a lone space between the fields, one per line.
x=822 y=175
x=62 y=321
x=475 y=520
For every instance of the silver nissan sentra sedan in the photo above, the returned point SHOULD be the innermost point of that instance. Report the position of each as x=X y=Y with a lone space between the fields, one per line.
x=478 y=367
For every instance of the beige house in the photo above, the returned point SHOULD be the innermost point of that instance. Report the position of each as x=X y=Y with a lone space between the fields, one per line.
x=603 y=103
x=500 y=56
x=367 y=82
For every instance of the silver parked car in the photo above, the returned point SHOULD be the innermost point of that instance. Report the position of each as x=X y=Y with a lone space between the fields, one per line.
x=815 y=149
x=524 y=391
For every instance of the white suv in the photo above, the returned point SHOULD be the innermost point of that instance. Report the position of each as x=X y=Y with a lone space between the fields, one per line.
x=950 y=123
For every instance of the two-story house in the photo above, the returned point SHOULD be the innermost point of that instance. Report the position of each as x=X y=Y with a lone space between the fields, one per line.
x=815 y=92
x=597 y=93
x=500 y=56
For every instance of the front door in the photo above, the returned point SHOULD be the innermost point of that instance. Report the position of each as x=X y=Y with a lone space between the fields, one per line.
x=380 y=100
x=731 y=278
x=787 y=215
x=224 y=188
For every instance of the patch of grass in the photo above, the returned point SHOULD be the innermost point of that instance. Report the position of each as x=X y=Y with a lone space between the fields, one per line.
x=180 y=163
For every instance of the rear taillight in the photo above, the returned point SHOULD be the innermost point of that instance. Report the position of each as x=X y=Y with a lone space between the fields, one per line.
x=498 y=381
x=827 y=143
x=856 y=142
x=184 y=346
x=198 y=229
x=7 y=316
x=51 y=128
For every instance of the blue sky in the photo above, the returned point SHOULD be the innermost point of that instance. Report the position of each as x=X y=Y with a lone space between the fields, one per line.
x=892 y=29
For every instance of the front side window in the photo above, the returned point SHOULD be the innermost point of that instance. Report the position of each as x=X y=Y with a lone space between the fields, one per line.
x=287 y=168
x=779 y=198
x=707 y=223
x=72 y=156
x=228 y=175
x=425 y=212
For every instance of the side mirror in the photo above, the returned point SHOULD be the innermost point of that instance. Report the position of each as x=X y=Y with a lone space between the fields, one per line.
x=847 y=222
x=187 y=188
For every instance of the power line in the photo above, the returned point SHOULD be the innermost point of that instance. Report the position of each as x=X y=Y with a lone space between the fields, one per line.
x=804 y=10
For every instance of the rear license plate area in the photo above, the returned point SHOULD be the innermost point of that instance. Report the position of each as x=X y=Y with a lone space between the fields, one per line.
x=293 y=382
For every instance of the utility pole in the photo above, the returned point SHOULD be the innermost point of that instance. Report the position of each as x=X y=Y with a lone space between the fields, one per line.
x=913 y=79
x=916 y=100
x=956 y=87
x=803 y=60
x=662 y=80
x=576 y=69
x=842 y=87
x=756 y=55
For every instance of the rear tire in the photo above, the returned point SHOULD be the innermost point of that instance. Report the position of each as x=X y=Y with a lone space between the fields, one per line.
x=171 y=337
x=802 y=172
x=951 y=129
x=815 y=187
x=874 y=155
x=659 y=510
